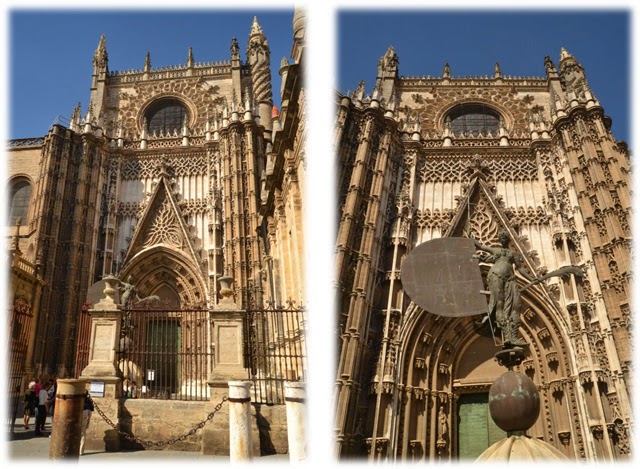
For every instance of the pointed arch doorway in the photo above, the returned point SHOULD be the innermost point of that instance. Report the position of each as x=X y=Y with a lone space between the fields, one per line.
x=166 y=273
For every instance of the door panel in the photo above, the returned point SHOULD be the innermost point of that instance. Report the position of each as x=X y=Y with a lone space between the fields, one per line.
x=476 y=429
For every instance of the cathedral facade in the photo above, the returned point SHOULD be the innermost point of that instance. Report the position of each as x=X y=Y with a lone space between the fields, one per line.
x=422 y=158
x=169 y=178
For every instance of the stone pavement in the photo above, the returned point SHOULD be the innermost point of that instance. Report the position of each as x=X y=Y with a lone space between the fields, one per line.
x=24 y=445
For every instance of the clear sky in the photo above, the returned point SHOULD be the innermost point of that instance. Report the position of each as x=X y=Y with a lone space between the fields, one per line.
x=52 y=52
x=472 y=42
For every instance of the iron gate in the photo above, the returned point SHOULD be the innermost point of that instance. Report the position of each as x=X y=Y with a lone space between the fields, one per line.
x=165 y=352
x=275 y=349
x=20 y=319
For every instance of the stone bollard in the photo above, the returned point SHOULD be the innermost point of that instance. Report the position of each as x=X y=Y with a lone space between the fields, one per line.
x=294 y=399
x=67 y=421
x=239 y=421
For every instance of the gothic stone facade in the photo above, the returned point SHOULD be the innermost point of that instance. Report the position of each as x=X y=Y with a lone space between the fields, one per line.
x=423 y=158
x=176 y=176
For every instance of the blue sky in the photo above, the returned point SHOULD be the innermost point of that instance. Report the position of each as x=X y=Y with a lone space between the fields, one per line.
x=52 y=51
x=472 y=42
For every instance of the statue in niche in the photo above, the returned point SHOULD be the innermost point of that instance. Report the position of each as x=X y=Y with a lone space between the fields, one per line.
x=443 y=424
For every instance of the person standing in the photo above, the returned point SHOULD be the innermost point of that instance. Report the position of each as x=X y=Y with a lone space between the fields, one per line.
x=86 y=419
x=30 y=404
x=42 y=410
x=51 y=397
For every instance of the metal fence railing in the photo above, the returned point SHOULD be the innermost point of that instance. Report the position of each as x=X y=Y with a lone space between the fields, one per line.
x=166 y=353
x=20 y=320
x=83 y=340
x=275 y=350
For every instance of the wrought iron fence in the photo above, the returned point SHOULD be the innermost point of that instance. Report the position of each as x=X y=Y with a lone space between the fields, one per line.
x=20 y=319
x=165 y=352
x=83 y=340
x=275 y=349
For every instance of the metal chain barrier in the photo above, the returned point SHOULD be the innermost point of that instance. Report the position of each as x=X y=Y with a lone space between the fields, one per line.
x=147 y=443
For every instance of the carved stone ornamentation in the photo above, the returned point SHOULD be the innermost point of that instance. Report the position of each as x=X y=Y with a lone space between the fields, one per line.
x=565 y=438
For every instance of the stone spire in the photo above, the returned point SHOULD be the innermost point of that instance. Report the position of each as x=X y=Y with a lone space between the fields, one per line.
x=147 y=62
x=256 y=28
x=572 y=75
x=497 y=73
x=100 y=57
x=387 y=75
x=446 y=73
x=258 y=58
x=389 y=61
x=99 y=77
x=190 y=58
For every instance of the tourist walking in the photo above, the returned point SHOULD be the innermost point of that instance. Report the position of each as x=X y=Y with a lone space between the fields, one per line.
x=30 y=404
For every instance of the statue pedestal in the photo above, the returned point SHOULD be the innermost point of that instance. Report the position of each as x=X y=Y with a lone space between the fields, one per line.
x=102 y=370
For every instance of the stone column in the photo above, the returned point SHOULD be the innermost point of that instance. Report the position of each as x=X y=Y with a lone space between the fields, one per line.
x=102 y=370
x=294 y=399
x=67 y=421
x=240 y=421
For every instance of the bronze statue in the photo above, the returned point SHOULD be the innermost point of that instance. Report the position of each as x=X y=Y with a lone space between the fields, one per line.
x=504 y=302
x=130 y=293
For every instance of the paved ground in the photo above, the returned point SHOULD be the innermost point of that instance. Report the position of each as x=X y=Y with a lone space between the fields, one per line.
x=24 y=445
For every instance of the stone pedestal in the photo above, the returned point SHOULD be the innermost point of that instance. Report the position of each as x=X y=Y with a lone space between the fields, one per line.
x=67 y=422
x=228 y=330
x=294 y=399
x=106 y=319
x=102 y=370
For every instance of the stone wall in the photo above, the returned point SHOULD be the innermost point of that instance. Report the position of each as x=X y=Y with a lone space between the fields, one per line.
x=157 y=421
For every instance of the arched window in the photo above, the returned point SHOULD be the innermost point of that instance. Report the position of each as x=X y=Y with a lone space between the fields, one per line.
x=166 y=116
x=473 y=118
x=19 y=198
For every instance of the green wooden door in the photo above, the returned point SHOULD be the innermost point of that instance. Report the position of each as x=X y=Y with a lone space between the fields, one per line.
x=163 y=364
x=476 y=429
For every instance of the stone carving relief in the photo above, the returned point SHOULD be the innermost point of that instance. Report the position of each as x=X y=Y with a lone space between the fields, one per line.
x=500 y=98
x=203 y=97
x=529 y=216
x=483 y=224
x=515 y=168
x=163 y=228
x=178 y=165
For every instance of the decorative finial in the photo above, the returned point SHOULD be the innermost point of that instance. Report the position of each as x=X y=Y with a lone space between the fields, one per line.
x=100 y=56
x=564 y=54
x=549 y=65
x=255 y=27
x=147 y=62
x=447 y=71
x=190 y=57
x=497 y=73
x=235 y=48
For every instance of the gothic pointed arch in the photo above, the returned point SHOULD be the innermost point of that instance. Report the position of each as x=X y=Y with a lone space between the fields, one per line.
x=161 y=251
x=160 y=268
x=441 y=360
